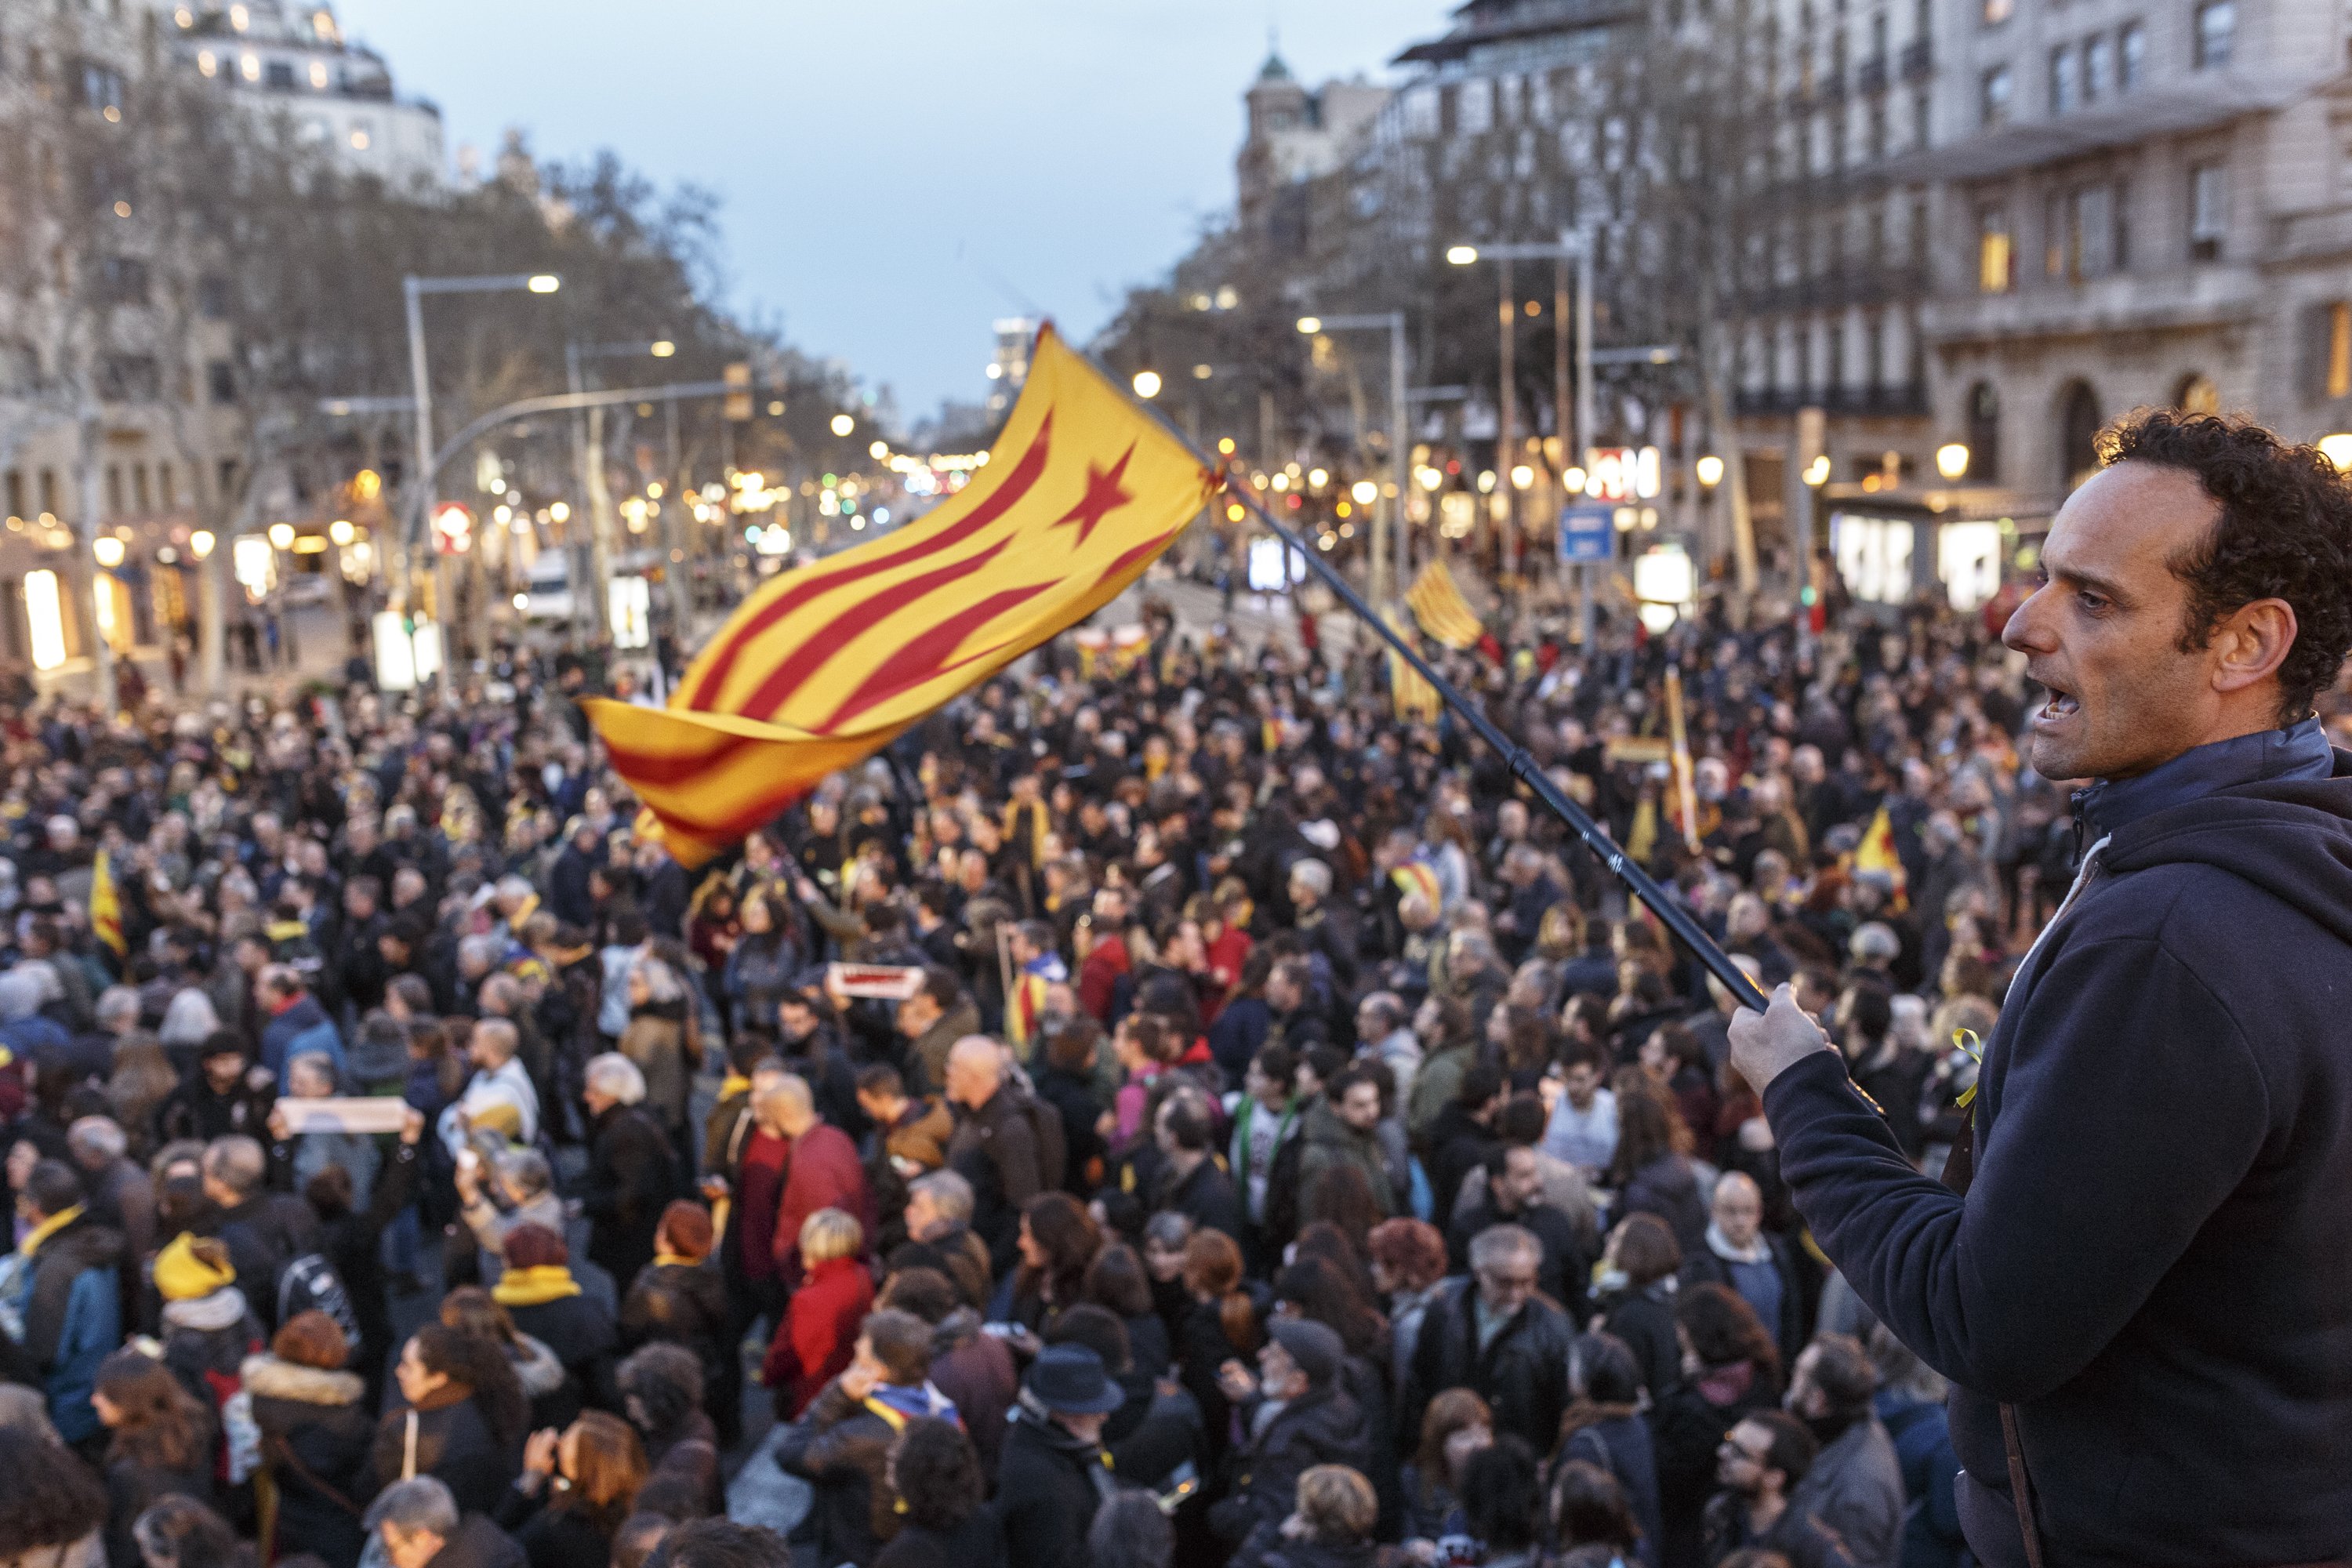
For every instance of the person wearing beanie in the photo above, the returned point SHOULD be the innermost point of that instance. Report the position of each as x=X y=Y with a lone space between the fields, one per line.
x=221 y=1098
x=1296 y=1416
x=679 y=1298
x=209 y=1328
x=548 y=1304
x=1053 y=1473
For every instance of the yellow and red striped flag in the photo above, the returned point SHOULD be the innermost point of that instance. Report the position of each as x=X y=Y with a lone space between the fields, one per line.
x=106 y=906
x=1409 y=696
x=1437 y=604
x=822 y=667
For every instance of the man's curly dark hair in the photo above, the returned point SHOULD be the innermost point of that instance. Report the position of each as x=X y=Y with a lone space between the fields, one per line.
x=2284 y=532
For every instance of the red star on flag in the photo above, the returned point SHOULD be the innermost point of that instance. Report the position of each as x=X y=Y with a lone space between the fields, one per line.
x=1105 y=494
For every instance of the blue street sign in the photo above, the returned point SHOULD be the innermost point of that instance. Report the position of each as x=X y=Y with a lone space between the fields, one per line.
x=1586 y=532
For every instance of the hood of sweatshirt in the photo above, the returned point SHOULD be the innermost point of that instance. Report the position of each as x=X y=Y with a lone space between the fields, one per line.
x=2290 y=837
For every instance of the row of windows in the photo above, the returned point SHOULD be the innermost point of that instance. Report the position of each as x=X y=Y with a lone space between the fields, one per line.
x=134 y=490
x=2086 y=231
x=2081 y=75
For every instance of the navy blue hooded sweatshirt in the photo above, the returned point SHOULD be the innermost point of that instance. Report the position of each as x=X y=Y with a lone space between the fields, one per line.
x=2154 y=1262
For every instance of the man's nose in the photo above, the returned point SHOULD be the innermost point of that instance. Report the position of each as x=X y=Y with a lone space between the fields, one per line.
x=2028 y=631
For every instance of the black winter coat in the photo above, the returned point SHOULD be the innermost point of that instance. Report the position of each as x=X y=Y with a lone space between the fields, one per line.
x=1522 y=1374
x=582 y=1335
x=977 y=1542
x=1048 y=1486
x=1645 y=1319
x=631 y=1179
x=454 y=1444
x=132 y=1487
x=315 y=1437
x=1321 y=1426
x=479 y=1543
x=552 y=1537
x=843 y=1449
x=1687 y=1427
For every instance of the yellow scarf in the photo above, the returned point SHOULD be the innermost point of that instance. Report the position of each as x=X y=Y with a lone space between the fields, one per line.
x=535 y=1286
x=48 y=1228
x=734 y=1083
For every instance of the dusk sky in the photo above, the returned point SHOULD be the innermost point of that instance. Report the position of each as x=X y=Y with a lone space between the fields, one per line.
x=897 y=176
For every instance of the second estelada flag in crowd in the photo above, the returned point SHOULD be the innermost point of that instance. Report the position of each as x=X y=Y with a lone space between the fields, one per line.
x=823 y=666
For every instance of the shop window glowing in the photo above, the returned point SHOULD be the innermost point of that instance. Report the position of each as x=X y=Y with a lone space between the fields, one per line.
x=44 y=619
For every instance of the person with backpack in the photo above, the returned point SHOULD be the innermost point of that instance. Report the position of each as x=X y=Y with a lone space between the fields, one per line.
x=208 y=1331
x=264 y=1231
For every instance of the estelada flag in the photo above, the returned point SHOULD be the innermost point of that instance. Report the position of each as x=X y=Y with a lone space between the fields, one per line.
x=822 y=667
x=1409 y=696
x=106 y=906
x=1877 y=853
x=1437 y=604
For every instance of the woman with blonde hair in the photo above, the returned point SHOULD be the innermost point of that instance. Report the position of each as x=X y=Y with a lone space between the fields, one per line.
x=818 y=1334
x=602 y=1465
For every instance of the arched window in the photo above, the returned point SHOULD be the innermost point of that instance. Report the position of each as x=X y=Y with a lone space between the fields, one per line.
x=2197 y=394
x=2078 y=433
x=1984 y=434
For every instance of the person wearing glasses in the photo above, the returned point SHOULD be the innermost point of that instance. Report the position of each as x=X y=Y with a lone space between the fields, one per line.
x=1759 y=1465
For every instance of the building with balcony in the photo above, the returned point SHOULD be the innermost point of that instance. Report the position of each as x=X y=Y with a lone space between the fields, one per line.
x=2129 y=205
x=291 y=57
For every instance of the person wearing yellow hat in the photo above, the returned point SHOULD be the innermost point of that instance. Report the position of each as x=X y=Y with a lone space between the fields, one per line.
x=209 y=1328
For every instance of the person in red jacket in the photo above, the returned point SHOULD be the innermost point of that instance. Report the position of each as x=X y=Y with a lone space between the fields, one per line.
x=823 y=1171
x=819 y=1332
x=1103 y=959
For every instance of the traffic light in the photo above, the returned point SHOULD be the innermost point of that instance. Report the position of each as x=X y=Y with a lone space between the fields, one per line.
x=739 y=391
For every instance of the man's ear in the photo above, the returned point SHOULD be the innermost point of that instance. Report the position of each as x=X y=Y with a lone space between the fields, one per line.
x=2250 y=643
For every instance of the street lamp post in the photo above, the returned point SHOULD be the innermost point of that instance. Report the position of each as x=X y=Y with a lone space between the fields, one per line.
x=414 y=288
x=1390 y=514
x=588 y=434
x=1507 y=411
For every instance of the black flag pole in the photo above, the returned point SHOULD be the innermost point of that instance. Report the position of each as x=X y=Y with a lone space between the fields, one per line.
x=1639 y=883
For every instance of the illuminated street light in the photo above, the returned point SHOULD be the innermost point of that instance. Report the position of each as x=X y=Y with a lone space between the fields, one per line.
x=281 y=536
x=544 y=283
x=1147 y=384
x=1463 y=255
x=1952 y=459
x=108 y=550
x=1366 y=492
x=200 y=543
x=2338 y=449
x=1817 y=472
x=1710 y=470
x=342 y=531
x=1523 y=477
x=663 y=349
x=1310 y=325
x=843 y=424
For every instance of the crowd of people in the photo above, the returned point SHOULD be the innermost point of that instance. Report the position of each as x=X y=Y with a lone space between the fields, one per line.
x=1177 y=1112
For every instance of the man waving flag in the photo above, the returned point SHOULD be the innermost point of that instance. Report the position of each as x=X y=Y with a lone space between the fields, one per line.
x=824 y=666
